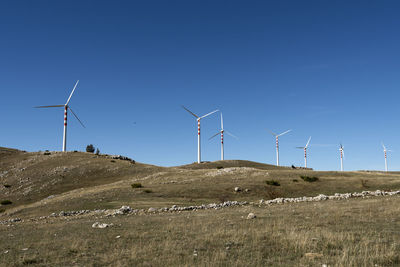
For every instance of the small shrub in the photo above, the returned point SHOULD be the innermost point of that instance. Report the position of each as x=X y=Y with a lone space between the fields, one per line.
x=295 y=180
x=219 y=167
x=147 y=191
x=112 y=161
x=309 y=178
x=7 y=185
x=6 y=202
x=137 y=185
x=2 y=210
x=272 y=182
x=97 y=151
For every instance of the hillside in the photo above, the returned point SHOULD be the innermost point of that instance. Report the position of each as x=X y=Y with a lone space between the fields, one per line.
x=43 y=185
x=29 y=177
x=40 y=183
x=230 y=164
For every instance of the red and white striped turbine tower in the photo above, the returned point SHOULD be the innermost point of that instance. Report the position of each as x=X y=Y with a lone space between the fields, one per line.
x=66 y=108
x=198 y=130
x=277 y=144
x=222 y=131
x=385 y=152
x=305 y=151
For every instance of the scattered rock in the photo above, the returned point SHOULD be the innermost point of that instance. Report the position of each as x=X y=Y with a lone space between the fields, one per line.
x=195 y=253
x=101 y=225
x=238 y=189
x=124 y=210
x=24 y=249
x=151 y=210
x=251 y=216
x=5 y=252
x=337 y=196
x=118 y=236
x=247 y=190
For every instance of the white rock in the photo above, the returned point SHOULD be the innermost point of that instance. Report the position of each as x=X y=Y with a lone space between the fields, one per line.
x=238 y=189
x=101 y=225
x=251 y=216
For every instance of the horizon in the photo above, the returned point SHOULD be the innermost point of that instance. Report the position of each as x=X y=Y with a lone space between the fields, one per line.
x=325 y=70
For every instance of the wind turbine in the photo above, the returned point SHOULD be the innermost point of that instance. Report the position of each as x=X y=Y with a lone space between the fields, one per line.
x=305 y=151
x=385 y=151
x=222 y=137
x=277 y=144
x=341 y=149
x=66 y=107
x=198 y=130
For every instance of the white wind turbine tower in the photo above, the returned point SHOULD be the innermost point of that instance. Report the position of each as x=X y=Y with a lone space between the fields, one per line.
x=305 y=151
x=66 y=107
x=198 y=131
x=385 y=151
x=277 y=144
x=222 y=137
x=341 y=149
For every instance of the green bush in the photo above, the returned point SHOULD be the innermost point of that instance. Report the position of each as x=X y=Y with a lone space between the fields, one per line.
x=309 y=178
x=6 y=202
x=219 y=167
x=7 y=185
x=147 y=191
x=295 y=180
x=272 y=182
x=90 y=148
x=136 y=185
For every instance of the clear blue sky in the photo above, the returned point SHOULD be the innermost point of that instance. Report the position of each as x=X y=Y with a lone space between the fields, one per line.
x=326 y=69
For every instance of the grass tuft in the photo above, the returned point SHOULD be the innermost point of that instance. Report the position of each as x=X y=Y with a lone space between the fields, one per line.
x=147 y=191
x=309 y=179
x=272 y=182
x=6 y=202
x=136 y=185
x=30 y=261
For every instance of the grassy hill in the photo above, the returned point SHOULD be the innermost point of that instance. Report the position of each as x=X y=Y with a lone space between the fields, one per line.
x=41 y=183
x=355 y=232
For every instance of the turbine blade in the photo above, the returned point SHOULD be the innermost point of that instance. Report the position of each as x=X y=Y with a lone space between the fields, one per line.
x=209 y=114
x=53 y=106
x=73 y=90
x=222 y=122
x=213 y=136
x=285 y=132
x=308 y=142
x=76 y=117
x=190 y=112
x=384 y=148
x=231 y=134
x=300 y=147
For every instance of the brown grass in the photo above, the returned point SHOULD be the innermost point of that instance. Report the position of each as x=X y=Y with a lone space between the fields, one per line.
x=347 y=233
x=358 y=232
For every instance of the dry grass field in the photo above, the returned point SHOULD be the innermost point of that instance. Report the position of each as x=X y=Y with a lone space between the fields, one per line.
x=354 y=232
